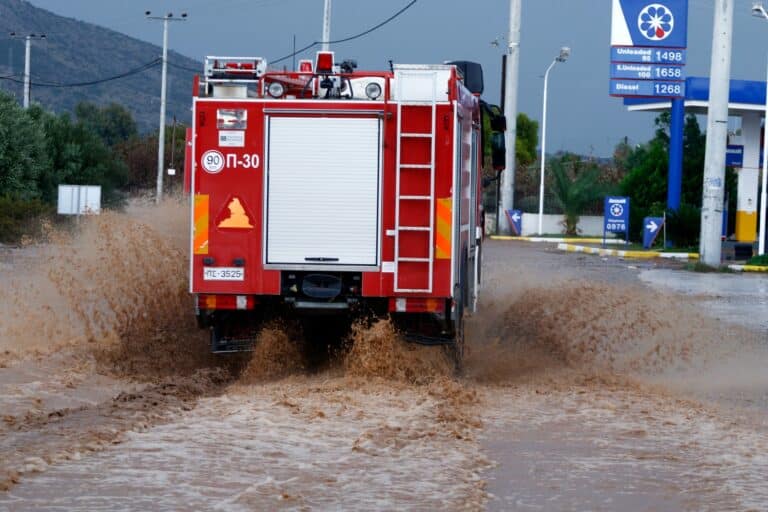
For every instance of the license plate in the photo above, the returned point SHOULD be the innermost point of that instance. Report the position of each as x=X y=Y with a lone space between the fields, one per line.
x=223 y=274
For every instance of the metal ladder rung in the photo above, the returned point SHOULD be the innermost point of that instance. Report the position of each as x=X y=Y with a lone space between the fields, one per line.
x=418 y=103
x=415 y=166
x=415 y=260
x=417 y=135
x=416 y=198
x=423 y=229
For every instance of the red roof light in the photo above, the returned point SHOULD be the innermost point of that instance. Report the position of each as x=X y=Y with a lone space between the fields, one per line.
x=324 y=62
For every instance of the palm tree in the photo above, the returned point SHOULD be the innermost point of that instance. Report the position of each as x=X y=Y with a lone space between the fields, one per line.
x=576 y=190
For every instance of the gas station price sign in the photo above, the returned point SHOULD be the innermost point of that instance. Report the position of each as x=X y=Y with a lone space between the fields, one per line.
x=648 y=48
x=674 y=56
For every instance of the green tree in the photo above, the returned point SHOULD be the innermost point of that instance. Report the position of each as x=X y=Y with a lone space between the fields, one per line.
x=112 y=123
x=80 y=157
x=576 y=186
x=22 y=151
x=646 y=179
x=527 y=140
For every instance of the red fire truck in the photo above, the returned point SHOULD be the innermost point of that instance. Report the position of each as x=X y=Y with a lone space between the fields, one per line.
x=332 y=191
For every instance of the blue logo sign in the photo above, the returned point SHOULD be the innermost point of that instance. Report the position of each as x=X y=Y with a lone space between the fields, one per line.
x=649 y=23
x=647 y=88
x=651 y=228
x=656 y=22
x=515 y=218
x=616 y=214
x=649 y=55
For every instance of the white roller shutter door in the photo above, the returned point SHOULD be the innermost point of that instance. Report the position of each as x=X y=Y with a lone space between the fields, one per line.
x=323 y=191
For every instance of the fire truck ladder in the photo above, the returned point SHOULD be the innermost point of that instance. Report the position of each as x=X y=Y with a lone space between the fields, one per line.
x=409 y=107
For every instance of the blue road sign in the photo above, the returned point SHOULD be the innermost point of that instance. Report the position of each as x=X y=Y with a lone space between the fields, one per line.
x=637 y=55
x=651 y=228
x=515 y=218
x=623 y=70
x=660 y=23
x=647 y=88
x=616 y=214
x=734 y=156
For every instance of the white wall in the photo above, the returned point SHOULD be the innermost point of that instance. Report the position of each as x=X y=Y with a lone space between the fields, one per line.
x=589 y=225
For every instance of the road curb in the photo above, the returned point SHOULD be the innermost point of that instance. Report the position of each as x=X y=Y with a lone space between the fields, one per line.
x=749 y=268
x=638 y=255
x=536 y=239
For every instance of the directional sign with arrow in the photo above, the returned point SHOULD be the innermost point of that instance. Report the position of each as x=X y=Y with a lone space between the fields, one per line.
x=651 y=229
x=515 y=218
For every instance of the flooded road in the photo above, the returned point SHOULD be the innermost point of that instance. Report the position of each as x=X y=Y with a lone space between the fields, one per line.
x=590 y=384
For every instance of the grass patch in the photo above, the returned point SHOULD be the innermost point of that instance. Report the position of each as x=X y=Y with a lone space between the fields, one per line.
x=689 y=250
x=760 y=261
x=703 y=268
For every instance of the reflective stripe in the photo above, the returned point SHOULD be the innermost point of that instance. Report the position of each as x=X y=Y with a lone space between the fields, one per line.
x=443 y=235
x=201 y=223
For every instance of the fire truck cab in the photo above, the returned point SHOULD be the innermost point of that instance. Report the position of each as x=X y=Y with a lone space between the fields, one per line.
x=333 y=191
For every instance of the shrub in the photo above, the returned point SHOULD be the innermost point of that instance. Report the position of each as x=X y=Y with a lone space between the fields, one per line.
x=759 y=260
x=684 y=225
x=19 y=217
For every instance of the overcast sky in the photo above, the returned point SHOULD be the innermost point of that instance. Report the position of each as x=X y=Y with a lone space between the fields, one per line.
x=583 y=118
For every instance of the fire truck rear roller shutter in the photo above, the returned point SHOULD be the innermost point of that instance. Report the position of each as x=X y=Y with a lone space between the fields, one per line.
x=323 y=182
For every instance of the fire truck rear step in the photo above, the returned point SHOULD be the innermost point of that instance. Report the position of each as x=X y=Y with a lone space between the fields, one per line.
x=231 y=345
x=429 y=341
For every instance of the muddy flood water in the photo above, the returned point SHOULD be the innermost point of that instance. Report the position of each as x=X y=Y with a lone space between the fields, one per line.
x=589 y=384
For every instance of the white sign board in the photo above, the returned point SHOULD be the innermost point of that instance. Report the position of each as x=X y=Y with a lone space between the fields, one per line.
x=79 y=200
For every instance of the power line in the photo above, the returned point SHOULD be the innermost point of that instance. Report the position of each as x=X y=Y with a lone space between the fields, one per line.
x=126 y=74
x=351 y=38
x=183 y=68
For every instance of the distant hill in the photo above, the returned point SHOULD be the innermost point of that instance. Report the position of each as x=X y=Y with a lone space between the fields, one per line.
x=76 y=51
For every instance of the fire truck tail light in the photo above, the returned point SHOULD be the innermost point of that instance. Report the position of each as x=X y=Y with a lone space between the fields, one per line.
x=373 y=91
x=305 y=66
x=324 y=62
x=276 y=89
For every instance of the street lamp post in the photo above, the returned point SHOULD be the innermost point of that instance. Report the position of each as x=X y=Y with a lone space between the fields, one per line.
x=27 y=62
x=565 y=52
x=163 y=90
x=759 y=11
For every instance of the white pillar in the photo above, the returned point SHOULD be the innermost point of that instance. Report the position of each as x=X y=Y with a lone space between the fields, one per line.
x=161 y=134
x=717 y=135
x=746 y=211
x=27 y=64
x=327 y=26
x=507 y=188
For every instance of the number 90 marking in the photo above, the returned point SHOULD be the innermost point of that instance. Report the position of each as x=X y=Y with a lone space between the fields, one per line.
x=213 y=161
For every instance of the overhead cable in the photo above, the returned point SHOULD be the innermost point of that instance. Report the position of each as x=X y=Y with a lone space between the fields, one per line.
x=350 y=38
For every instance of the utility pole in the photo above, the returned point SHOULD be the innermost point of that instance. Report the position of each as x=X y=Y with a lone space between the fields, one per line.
x=163 y=86
x=507 y=196
x=27 y=62
x=327 y=26
x=713 y=194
